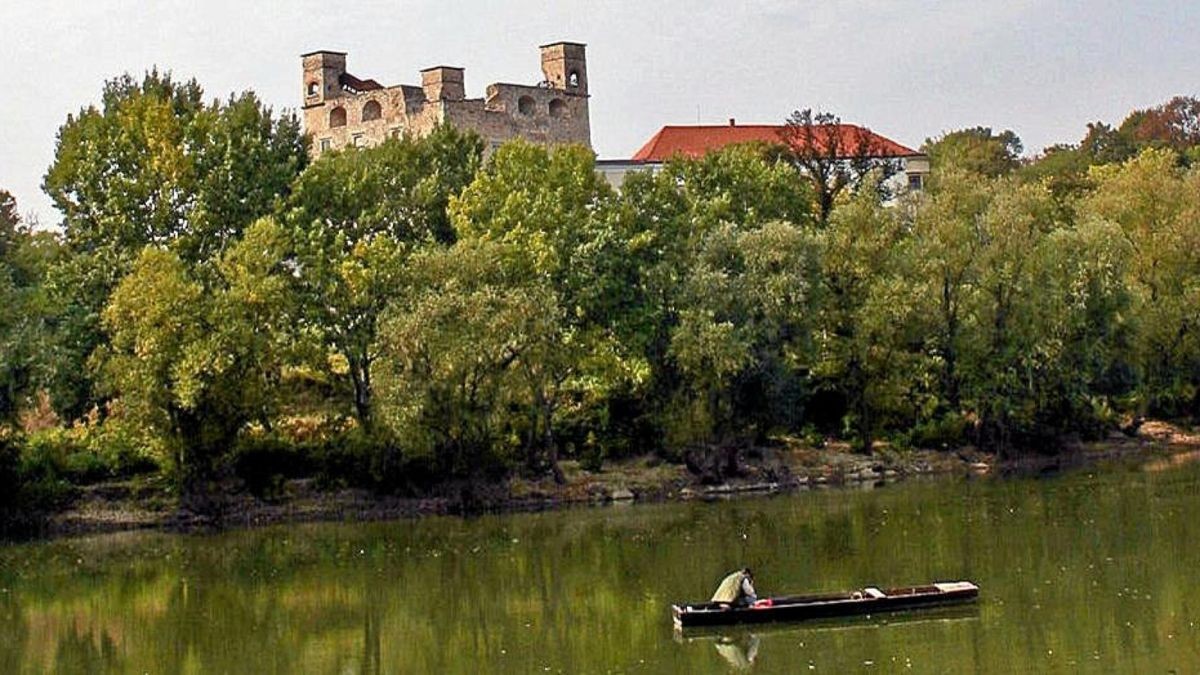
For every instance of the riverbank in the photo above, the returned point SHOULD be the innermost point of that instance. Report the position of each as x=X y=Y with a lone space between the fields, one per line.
x=788 y=466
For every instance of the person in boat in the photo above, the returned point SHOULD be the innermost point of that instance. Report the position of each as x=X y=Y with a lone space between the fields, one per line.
x=736 y=589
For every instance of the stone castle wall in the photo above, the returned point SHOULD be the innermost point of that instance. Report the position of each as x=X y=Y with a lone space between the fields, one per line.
x=341 y=110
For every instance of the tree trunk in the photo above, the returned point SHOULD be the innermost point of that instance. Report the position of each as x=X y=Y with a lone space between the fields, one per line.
x=360 y=375
x=551 y=447
x=950 y=372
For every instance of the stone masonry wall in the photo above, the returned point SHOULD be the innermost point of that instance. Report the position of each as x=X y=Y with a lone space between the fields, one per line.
x=341 y=110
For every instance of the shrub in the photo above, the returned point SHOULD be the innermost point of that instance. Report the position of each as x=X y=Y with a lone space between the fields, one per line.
x=85 y=454
x=263 y=462
x=344 y=460
x=941 y=433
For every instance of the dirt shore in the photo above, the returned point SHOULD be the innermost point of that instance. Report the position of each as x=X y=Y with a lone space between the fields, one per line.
x=786 y=467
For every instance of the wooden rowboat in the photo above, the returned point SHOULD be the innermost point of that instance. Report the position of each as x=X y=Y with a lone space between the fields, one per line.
x=869 y=600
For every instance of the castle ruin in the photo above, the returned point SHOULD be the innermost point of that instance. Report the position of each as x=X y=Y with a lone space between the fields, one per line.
x=342 y=110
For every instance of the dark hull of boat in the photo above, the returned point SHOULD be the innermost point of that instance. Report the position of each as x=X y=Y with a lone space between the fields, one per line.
x=802 y=608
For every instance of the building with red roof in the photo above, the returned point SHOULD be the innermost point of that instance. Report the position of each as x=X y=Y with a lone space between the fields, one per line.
x=696 y=141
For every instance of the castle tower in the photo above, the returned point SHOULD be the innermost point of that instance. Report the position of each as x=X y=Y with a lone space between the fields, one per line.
x=565 y=66
x=443 y=83
x=322 y=74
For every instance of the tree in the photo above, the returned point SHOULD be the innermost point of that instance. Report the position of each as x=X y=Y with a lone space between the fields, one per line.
x=153 y=164
x=862 y=318
x=1157 y=207
x=835 y=157
x=549 y=212
x=1174 y=124
x=193 y=357
x=744 y=341
x=9 y=220
x=1047 y=323
x=448 y=355
x=945 y=250
x=667 y=221
x=25 y=327
x=977 y=150
x=356 y=216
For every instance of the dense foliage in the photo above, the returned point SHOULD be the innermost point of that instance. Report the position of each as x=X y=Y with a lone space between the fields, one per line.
x=411 y=312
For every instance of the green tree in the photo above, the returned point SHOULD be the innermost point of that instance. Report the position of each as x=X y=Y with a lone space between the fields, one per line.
x=153 y=165
x=448 y=351
x=25 y=327
x=977 y=150
x=866 y=308
x=945 y=250
x=1157 y=207
x=1046 y=331
x=552 y=216
x=356 y=216
x=193 y=357
x=666 y=222
x=744 y=341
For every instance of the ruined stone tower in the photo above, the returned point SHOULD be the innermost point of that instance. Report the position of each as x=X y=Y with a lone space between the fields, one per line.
x=341 y=109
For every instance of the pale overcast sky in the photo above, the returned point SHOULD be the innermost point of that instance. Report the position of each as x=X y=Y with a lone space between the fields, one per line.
x=909 y=69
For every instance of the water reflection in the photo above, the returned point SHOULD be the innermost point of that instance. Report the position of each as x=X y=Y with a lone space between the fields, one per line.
x=738 y=646
x=1094 y=568
x=739 y=654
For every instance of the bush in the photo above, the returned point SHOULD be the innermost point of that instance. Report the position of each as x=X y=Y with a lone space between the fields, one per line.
x=355 y=458
x=263 y=462
x=84 y=454
x=344 y=460
x=942 y=433
x=591 y=455
x=120 y=447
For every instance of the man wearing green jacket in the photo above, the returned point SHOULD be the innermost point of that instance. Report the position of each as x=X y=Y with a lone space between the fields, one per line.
x=737 y=589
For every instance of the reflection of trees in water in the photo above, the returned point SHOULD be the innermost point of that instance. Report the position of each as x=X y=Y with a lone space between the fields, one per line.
x=84 y=652
x=371 y=659
x=583 y=590
x=14 y=632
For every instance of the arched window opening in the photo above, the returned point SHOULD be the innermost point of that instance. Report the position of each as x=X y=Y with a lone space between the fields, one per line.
x=573 y=79
x=313 y=88
x=337 y=117
x=525 y=105
x=558 y=107
x=372 y=111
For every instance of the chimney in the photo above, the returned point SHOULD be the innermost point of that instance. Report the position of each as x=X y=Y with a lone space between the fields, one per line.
x=443 y=83
x=732 y=122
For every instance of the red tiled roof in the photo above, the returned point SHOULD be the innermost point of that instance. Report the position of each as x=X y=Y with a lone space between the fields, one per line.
x=695 y=141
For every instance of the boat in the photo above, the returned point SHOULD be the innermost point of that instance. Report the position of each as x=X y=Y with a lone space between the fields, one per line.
x=868 y=600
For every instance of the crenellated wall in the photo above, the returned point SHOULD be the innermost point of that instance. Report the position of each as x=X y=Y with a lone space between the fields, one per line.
x=341 y=110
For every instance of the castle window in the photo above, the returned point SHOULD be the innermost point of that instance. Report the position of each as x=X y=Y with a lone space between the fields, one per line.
x=525 y=105
x=313 y=88
x=337 y=117
x=558 y=107
x=372 y=111
x=573 y=79
x=359 y=141
x=326 y=144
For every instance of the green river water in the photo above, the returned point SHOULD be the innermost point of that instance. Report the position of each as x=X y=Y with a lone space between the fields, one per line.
x=1090 y=571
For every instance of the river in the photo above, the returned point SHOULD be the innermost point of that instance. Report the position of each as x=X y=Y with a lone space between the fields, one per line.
x=1090 y=571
